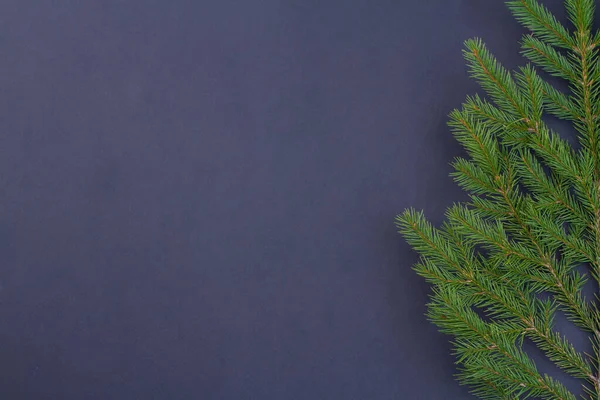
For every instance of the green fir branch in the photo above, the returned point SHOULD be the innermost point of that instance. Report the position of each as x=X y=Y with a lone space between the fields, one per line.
x=533 y=216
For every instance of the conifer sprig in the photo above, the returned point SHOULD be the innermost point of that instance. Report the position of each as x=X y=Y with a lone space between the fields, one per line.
x=504 y=263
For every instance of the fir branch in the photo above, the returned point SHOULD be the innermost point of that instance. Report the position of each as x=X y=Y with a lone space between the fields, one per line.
x=551 y=192
x=505 y=301
x=541 y=22
x=559 y=105
x=478 y=141
x=533 y=91
x=502 y=363
x=494 y=79
x=500 y=84
x=471 y=177
x=534 y=214
x=549 y=59
x=581 y=14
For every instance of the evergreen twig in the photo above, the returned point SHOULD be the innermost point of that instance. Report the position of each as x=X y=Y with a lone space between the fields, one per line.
x=533 y=216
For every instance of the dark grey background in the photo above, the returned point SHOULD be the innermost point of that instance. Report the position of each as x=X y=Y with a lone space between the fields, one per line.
x=197 y=197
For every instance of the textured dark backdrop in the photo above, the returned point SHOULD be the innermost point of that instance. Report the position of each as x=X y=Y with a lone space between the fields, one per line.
x=197 y=197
